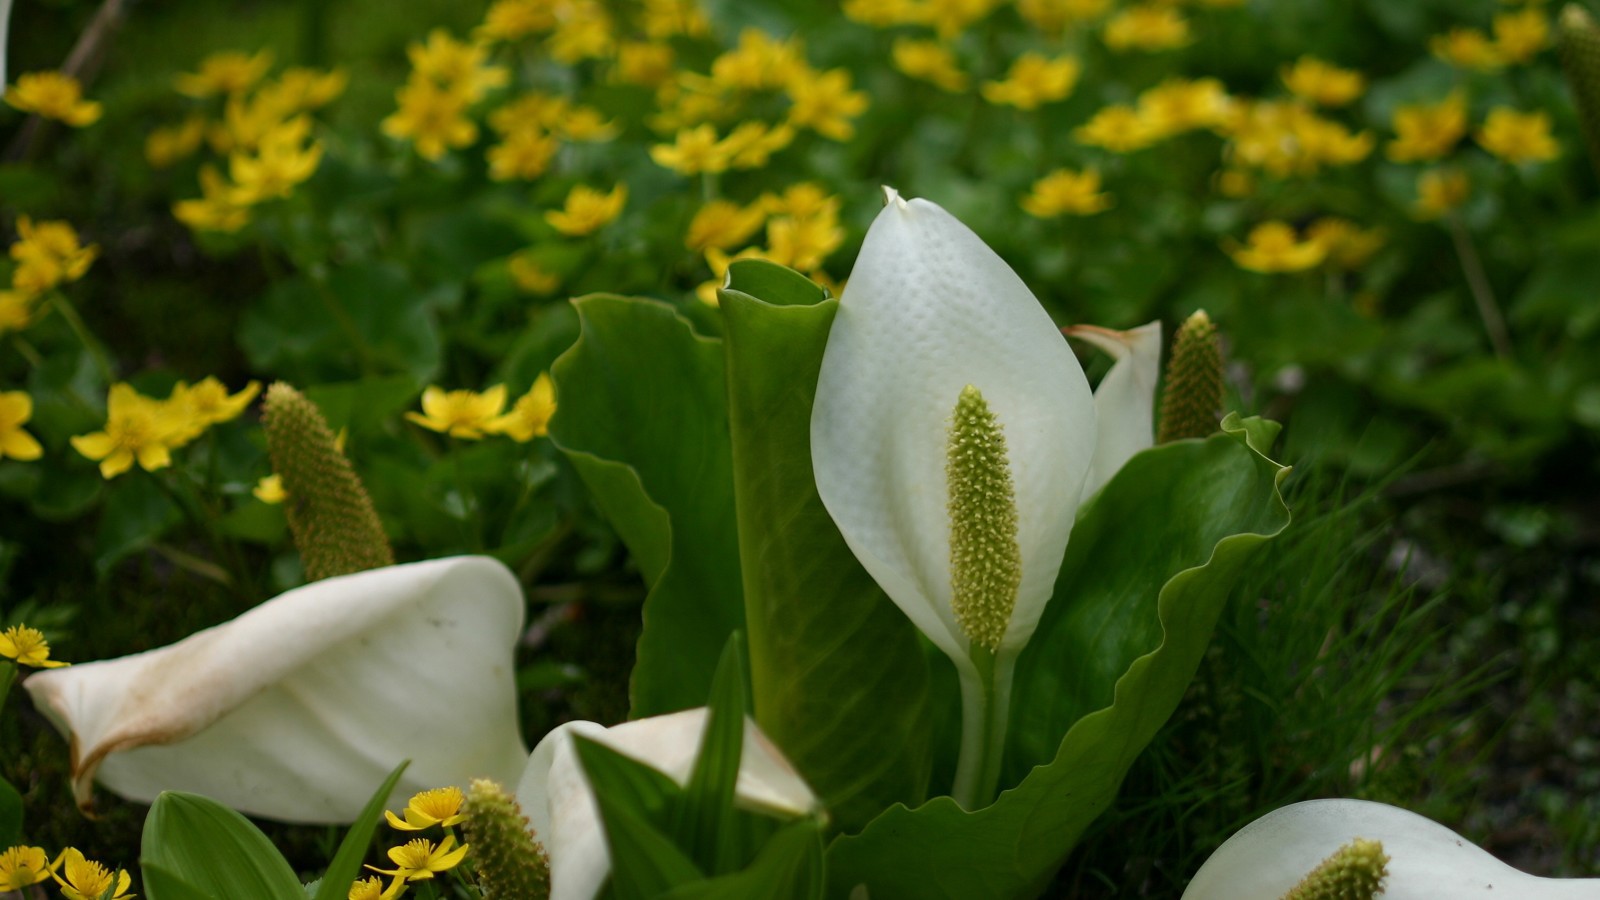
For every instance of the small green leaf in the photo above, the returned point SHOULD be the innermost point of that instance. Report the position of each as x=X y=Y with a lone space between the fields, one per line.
x=214 y=851
x=704 y=822
x=630 y=784
x=634 y=801
x=346 y=863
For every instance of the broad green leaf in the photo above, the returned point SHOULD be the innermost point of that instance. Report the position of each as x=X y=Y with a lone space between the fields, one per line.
x=633 y=800
x=161 y=884
x=789 y=867
x=346 y=865
x=1146 y=573
x=705 y=822
x=839 y=680
x=10 y=813
x=136 y=515
x=214 y=850
x=643 y=416
x=629 y=784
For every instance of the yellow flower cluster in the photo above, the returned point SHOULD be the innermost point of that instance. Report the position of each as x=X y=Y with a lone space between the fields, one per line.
x=146 y=430
x=1066 y=192
x=419 y=859
x=802 y=231
x=447 y=77
x=16 y=408
x=1274 y=246
x=53 y=95
x=470 y=415
x=1173 y=107
x=1517 y=38
x=77 y=877
x=47 y=254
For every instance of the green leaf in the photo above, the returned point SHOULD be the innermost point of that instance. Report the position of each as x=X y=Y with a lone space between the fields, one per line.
x=634 y=800
x=789 y=867
x=214 y=850
x=642 y=414
x=1146 y=573
x=136 y=515
x=839 y=679
x=346 y=865
x=704 y=820
x=161 y=884
x=641 y=789
x=10 y=814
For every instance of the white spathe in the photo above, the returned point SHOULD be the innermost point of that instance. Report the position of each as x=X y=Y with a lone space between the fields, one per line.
x=5 y=28
x=560 y=806
x=1125 y=399
x=1427 y=861
x=929 y=309
x=297 y=709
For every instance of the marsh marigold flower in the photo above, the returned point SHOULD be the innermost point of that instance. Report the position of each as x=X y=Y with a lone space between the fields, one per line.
x=137 y=429
x=587 y=210
x=1053 y=16
x=229 y=72
x=1179 y=104
x=693 y=151
x=1440 y=191
x=52 y=95
x=440 y=806
x=16 y=408
x=21 y=867
x=1149 y=27
x=83 y=879
x=27 y=647
x=217 y=209
x=373 y=889
x=585 y=32
x=1274 y=247
x=1065 y=192
x=529 y=418
x=47 y=255
x=751 y=144
x=1117 y=128
x=513 y=20
x=432 y=118
x=759 y=62
x=724 y=225
x=1520 y=35
x=421 y=859
x=1427 y=132
x=825 y=103
x=270 y=489
x=530 y=276
x=283 y=160
x=1033 y=80
x=1348 y=245
x=17 y=310
x=1322 y=83
x=457 y=66
x=462 y=414
x=644 y=63
x=302 y=89
x=524 y=153
x=165 y=146
x=929 y=61
x=1518 y=137
x=207 y=403
x=1467 y=48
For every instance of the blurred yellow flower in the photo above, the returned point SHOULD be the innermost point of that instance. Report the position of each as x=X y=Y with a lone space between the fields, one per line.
x=1149 y=27
x=929 y=61
x=646 y=63
x=209 y=402
x=584 y=123
x=1468 y=48
x=16 y=408
x=750 y=144
x=1427 y=132
x=802 y=200
x=949 y=18
x=1053 y=16
x=1518 y=137
x=723 y=224
x=462 y=414
x=1274 y=247
x=1326 y=142
x=1348 y=245
x=530 y=276
x=218 y=207
x=282 y=161
x=137 y=429
x=432 y=118
x=302 y=89
x=664 y=19
x=1520 y=35
x=456 y=66
x=529 y=416
x=802 y=243
x=23 y=866
x=758 y=62
x=1117 y=128
x=524 y=153
x=1235 y=183
x=28 y=647
x=825 y=103
x=513 y=20
x=229 y=72
x=585 y=31
x=1441 y=191
x=1178 y=105
x=270 y=489
x=165 y=146
x=373 y=889
x=587 y=210
x=17 y=310
x=882 y=13
x=52 y=95
x=1323 y=83
x=1033 y=80
x=1066 y=192
x=693 y=151
x=48 y=254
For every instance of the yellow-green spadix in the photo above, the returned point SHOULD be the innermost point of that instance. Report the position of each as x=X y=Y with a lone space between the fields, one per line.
x=934 y=328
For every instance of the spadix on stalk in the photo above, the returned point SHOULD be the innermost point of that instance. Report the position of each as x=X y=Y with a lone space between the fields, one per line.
x=951 y=436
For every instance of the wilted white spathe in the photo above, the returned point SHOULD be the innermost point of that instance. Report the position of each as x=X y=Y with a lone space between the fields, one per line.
x=1125 y=399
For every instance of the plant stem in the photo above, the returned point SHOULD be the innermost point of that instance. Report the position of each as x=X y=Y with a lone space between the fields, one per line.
x=8 y=674
x=75 y=322
x=985 y=714
x=1478 y=284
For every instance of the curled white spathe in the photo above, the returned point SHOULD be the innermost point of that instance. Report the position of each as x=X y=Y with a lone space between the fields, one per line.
x=1125 y=399
x=1427 y=861
x=561 y=810
x=297 y=709
x=928 y=310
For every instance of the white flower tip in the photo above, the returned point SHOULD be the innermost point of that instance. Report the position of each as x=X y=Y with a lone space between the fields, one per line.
x=892 y=197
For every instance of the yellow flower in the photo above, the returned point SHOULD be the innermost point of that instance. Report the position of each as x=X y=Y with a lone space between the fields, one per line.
x=882 y=13
x=802 y=200
x=586 y=210
x=373 y=889
x=1149 y=27
x=462 y=414
x=1065 y=192
x=270 y=489
x=209 y=403
x=1117 y=128
x=532 y=277
x=16 y=408
x=693 y=151
x=1273 y=247
x=1053 y=16
x=929 y=61
x=440 y=806
x=431 y=117
x=48 y=254
x=420 y=859
x=1440 y=191
x=165 y=146
x=230 y=72
x=53 y=95
x=1428 y=132
x=17 y=311
x=1178 y=105
x=529 y=418
x=1235 y=183
x=1323 y=83
x=802 y=243
x=750 y=144
x=1327 y=142
x=758 y=62
x=245 y=122
x=28 y=647
x=512 y=20
x=1520 y=35
x=585 y=32
x=1518 y=137
x=87 y=880
x=456 y=66
x=1468 y=48
x=530 y=110
x=1348 y=245
x=824 y=102
x=669 y=18
x=524 y=153
x=584 y=123
x=137 y=429
x=1033 y=80
x=281 y=162
x=302 y=89
x=217 y=209
x=724 y=225
x=644 y=63
x=21 y=867
x=949 y=18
